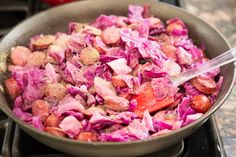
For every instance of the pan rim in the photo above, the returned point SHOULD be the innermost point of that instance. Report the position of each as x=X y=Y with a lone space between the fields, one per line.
x=161 y=137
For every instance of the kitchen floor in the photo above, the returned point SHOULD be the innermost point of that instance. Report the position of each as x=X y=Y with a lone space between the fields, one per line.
x=222 y=15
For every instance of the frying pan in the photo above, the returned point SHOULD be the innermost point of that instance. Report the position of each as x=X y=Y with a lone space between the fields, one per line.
x=57 y=19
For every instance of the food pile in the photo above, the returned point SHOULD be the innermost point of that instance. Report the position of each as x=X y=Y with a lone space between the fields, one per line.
x=109 y=80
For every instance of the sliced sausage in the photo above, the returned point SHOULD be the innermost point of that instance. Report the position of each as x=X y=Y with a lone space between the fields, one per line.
x=200 y=103
x=170 y=51
x=205 y=85
x=19 y=55
x=40 y=108
x=56 y=90
x=93 y=109
x=89 y=55
x=36 y=58
x=43 y=42
x=12 y=88
x=53 y=120
x=116 y=103
x=111 y=35
x=87 y=136
x=55 y=131
x=118 y=82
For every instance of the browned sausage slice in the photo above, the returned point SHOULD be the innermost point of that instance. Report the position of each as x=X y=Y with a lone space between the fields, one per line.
x=89 y=55
x=87 y=136
x=36 y=58
x=53 y=120
x=201 y=103
x=56 y=90
x=43 y=42
x=19 y=55
x=118 y=82
x=205 y=85
x=55 y=131
x=40 y=108
x=12 y=88
x=111 y=35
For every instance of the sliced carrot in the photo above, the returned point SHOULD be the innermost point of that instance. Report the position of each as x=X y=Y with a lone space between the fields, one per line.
x=146 y=100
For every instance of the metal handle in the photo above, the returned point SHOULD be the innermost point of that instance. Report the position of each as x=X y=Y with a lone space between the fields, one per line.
x=225 y=58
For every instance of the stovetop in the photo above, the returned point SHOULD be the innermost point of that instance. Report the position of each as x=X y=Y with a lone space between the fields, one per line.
x=205 y=142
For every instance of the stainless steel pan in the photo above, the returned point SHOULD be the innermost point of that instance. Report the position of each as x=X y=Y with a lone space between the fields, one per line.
x=57 y=19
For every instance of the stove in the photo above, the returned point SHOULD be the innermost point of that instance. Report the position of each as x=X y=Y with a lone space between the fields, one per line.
x=14 y=142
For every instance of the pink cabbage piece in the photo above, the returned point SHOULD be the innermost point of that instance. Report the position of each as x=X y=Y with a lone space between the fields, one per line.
x=191 y=90
x=83 y=92
x=69 y=104
x=163 y=88
x=119 y=66
x=187 y=44
x=147 y=121
x=189 y=111
x=161 y=125
x=71 y=126
x=74 y=72
x=31 y=81
x=122 y=135
x=104 y=71
x=191 y=118
x=99 y=121
x=133 y=58
x=77 y=115
x=132 y=105
x=104 y=21
x=143 y=29
x=146 y=48
x=25 y=116
x=171 y=68
x=137 y=129
x=98 y=118
x=125 y=117
x=183 y=106
x=37 y=123
x=103 y=87
x=18 y=102
x=50 y=73
x=152 y=74
x=178 y=31
x=57 y=53
x=135 y=13
x=184 y=57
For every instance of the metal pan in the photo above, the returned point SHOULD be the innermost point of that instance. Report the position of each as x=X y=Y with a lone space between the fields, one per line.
x=57 y=19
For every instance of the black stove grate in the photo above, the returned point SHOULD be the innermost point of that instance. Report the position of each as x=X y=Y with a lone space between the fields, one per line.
x=14 y=142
